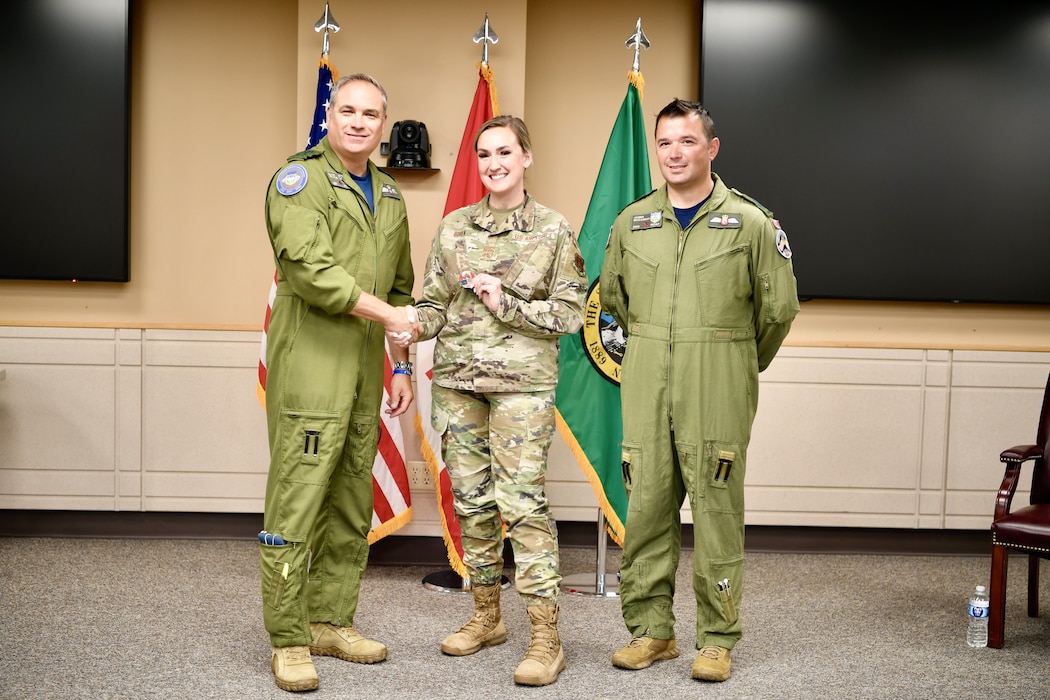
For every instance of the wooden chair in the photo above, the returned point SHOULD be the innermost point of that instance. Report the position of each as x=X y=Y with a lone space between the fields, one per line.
x=1026 y=529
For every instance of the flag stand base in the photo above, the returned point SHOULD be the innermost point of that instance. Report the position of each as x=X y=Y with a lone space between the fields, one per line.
x=448 y=581
x=593 y=584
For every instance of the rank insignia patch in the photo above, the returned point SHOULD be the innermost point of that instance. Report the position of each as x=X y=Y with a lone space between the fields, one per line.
x=640 y=222
x=578 y=262
x=291 y=180
x=723 y=220
x=337 y=180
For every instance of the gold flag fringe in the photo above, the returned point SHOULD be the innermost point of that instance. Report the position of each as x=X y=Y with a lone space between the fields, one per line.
x=432 y=466
x=384 y=529
x=490 y=78
x=325 y=63
x=636 y=79
x=612 y=520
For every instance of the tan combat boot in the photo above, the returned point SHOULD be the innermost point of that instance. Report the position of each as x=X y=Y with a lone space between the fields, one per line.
x=544 y=660
x=293 y=669
x=485 y=629
x=344 y=643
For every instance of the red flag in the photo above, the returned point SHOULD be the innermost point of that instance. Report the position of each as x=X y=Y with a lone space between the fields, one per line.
x=392 y=502
x=465 y=188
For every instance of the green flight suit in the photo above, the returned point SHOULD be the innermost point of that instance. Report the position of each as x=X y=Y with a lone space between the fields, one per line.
x=325 y=384
x=705 y=310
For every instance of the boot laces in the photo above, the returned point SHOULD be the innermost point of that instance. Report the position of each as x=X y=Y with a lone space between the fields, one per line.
x=543 y=645
x=479 y=624
x=710 y=652
x=638 y=642
x=296 y=655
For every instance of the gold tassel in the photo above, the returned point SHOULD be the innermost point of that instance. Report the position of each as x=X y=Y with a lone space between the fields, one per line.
x=636 y=79
x=324 y=63
x=490 y=78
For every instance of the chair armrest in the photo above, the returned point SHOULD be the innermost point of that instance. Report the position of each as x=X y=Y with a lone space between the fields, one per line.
x=1014 y=458
x=1021 y=453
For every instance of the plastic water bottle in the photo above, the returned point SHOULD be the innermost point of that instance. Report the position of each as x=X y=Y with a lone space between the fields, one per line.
x=977 y=631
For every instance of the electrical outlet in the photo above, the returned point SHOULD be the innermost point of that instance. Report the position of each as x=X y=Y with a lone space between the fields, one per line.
x=419 y=476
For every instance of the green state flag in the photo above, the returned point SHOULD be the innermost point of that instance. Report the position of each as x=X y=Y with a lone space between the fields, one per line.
x=588 y=398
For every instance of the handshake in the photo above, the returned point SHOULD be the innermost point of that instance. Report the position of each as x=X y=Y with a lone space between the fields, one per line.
x=405 y=328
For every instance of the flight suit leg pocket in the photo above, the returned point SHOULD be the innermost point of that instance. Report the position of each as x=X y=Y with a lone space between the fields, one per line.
x=631 y=460
x=308 y=444
x=723 y=477
x=275 y=570
x=362 y=444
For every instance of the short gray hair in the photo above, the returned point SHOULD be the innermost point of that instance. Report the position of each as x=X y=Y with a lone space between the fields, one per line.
x=362 y=77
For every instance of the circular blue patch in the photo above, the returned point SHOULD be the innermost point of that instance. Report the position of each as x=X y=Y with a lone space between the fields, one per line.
x=291 y=180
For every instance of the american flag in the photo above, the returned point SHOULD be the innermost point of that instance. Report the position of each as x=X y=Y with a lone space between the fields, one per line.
x=392 y=502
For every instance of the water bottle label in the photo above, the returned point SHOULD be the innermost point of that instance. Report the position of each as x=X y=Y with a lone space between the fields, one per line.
x=978 y=611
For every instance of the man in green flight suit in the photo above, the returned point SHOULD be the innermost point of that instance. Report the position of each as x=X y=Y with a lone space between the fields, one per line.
x=340 y=239
x=700 y=277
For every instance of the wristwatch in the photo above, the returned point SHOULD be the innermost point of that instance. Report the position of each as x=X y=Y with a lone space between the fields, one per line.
x=403 y=368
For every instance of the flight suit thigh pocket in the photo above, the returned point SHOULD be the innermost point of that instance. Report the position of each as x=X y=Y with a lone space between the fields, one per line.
x=308 y=444
x=631 y=460
x=723 y=477
x=276 y=566
x=362 y=444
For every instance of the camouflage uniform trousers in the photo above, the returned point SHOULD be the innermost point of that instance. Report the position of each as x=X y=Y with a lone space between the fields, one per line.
x=495 y=449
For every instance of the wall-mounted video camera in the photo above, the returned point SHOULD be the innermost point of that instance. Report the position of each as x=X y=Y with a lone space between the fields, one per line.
x=409 y=145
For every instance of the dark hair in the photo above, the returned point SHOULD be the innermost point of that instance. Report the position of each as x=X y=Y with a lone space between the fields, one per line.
x=513 y=123
x=685 y=108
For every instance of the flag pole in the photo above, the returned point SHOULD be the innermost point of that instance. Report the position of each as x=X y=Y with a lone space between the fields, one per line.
x=449 y=580
x=326 y=23
x=595 y=584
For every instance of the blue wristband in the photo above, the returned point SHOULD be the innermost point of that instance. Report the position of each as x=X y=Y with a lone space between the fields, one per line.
x=402 y=371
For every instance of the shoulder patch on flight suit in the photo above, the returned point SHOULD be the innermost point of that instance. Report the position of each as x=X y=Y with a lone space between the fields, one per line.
x=722 y=219
x=388 y=190
x=337 y=180
x=292 y=179
x=782 y=240
x=653 y=219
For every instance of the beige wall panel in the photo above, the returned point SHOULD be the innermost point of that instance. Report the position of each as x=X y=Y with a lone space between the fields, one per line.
x=205 y=492
x=203 y=420
x=984 y=422
x=57 y=417
x=836 y=435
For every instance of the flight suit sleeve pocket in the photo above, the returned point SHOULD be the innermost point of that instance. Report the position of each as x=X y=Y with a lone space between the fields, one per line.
x=299 y=232
x=779 y=296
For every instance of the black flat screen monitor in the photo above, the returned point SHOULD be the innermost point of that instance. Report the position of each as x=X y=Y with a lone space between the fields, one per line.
x=904 y=147
x=64 y=137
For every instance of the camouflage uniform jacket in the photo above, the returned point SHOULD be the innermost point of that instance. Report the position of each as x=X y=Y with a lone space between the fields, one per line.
x=536 y=256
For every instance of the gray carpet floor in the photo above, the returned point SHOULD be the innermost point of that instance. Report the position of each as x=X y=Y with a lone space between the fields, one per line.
x=115 y=618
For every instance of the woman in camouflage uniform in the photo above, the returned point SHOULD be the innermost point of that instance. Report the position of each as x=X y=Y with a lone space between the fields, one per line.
x=504 y=280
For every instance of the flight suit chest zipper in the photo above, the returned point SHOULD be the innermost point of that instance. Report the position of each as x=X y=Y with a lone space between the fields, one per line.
x=670 y=327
